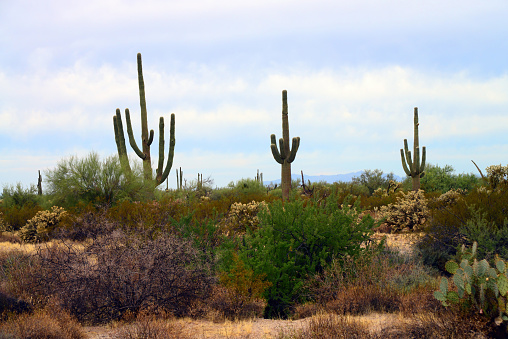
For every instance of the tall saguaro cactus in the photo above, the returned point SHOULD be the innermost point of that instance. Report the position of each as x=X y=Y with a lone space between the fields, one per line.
x=285 y=155
x=146 y=139
x=414 y=168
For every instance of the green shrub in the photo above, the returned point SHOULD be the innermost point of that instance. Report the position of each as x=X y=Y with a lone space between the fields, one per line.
x=301 y=237
x=457 y=218
x=373 y=180
x=443 y=179
x=90 y=180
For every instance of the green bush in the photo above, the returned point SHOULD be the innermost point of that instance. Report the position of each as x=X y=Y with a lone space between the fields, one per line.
x=298 y=238
x=373 y=179
x=90 y=180
x=478 y=216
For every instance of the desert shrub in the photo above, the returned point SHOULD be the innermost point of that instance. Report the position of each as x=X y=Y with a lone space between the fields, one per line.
x=19 y=196
x=41 y=225
x=374 y=282
x=17 y=272
x=15 y=217
x=329 y=326
x=91 y=180
x=409 y=213
x=49 y=323
x=88 y=224
x=240 y=294
x=148 y=215
x=121 y=273
x=443 y=179
x=297 y=238
x=150 y=326
x=10 y=305
x=478 y=216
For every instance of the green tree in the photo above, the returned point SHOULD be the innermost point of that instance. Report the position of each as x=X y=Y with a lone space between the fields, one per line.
x=443 y=179
x=373 y=179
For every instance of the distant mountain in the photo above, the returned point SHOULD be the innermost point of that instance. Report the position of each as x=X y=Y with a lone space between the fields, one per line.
x=326 y=178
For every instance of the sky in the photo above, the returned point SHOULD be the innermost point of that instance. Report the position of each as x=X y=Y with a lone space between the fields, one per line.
x=354 y=71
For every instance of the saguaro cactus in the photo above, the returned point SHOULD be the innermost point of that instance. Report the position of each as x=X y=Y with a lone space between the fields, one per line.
x=146 y=139
x=414 y=168
x=286 y=155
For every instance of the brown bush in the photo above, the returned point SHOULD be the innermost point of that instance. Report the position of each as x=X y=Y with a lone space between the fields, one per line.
x=149 y=326
x=48 y=323
x=329 y=326
x=121 y=273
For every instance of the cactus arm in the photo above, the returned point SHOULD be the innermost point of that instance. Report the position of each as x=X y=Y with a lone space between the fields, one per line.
x=408 y=173
x=150 y=138
x=120 y=141
x=294 y=149
x=408 y=158
x=171 y=151
x=161 y=148
x=132 y=141
x=275 y=151
x=424 y=158
x=282 y=147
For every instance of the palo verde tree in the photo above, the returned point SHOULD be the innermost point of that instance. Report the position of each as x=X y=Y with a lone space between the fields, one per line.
x=286 y=155
x=146 y=139
x=414 y=168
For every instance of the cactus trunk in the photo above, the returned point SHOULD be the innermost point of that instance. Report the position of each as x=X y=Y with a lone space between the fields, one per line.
x=286 y=155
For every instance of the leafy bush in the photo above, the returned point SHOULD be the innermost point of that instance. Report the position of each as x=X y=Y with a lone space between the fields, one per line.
x=373 y=180
x=297 y=238
x=443 y=179
x=409 y=213
x=122 y=273
x=91 y=180
x=19 y=196
x=240 y=292
x=41 y=225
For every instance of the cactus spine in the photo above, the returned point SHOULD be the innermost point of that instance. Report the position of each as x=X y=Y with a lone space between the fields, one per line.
x=414 y=168
x=284 y=155
x=146 y=138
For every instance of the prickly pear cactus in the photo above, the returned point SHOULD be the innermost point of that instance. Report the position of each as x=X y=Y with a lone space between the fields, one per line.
x=478 y=285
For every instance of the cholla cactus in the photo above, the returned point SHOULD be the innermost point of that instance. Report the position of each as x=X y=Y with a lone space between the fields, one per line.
x=451 y=196
x=243 y=216
x=37 y=229
x=478 y=284
x=409 y=213
x=497 y=175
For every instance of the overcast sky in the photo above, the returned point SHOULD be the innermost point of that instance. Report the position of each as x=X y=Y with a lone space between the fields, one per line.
x=354 y=71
